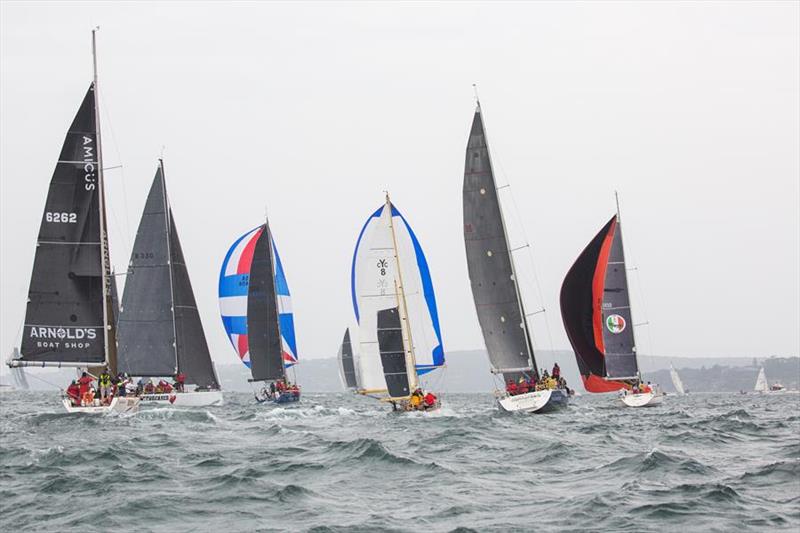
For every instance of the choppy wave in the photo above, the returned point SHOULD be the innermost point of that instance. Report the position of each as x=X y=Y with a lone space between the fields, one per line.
x=339 y=463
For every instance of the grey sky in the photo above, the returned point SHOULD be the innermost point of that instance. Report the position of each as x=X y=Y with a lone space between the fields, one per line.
x=690 y=110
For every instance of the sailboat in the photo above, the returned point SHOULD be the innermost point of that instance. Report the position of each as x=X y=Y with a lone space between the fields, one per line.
x=596 y=310
x=347 y=369
x=160 y=331
x=761 y=381
x=395 y=307
x=495 y=287
x=68 y=319
x=676 y=380
x=256 y=309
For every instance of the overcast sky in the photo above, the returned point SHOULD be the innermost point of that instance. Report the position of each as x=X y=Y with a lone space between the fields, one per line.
x=690 y=110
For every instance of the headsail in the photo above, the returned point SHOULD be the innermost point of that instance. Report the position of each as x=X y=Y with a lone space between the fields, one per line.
x=347 y=363
x=65 y=319
x=761 y=382
x=676 y=380
x=596 y=312
x=255 y=305
x=388 y=259
x=160 y=332
x=495 y=288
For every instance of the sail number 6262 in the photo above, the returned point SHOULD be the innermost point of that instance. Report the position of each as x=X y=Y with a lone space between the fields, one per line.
x=63 y=218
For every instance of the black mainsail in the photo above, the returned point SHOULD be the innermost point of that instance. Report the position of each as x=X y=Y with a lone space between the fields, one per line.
x=393 y=353
x=347 y=363
x=495 y=289
x=263 y=326
x=67 y=315
x=160 y=332
x=596 y=310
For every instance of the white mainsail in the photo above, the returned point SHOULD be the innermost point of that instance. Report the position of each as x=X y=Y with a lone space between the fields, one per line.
x=676 y=380
x=761 y=382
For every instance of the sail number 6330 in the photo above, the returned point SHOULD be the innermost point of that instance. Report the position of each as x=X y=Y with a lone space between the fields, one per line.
x=63 y=218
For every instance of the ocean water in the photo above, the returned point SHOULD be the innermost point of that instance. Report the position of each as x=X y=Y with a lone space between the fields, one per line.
x=335 y=462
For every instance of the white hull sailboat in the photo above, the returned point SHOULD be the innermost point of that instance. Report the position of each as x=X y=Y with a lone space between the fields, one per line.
x=642 y=399
x=119 y=404
x=595 y=293
x=69 y=318
x=211 y=398
x=160 y=331
x=495 y=289
x=541 y=401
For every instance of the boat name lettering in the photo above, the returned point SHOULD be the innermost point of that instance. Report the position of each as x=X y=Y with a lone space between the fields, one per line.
x=62 y=333
x=90 y=174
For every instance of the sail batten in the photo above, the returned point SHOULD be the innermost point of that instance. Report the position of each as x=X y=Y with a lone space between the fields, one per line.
x=495 y=288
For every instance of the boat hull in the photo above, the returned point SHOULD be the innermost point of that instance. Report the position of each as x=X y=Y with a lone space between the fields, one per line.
x=287 y=398
x=184 y=399
x=123 y=404
x=542 y=401
x=644 y=399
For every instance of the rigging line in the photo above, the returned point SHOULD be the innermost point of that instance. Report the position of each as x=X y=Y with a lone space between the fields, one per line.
x=531 y=260
x=121 y=166
x=34 y=376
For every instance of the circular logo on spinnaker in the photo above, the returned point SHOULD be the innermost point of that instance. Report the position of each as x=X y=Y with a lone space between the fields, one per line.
x=615 y=324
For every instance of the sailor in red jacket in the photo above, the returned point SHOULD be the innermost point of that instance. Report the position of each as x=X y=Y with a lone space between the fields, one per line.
x=511 y=388
x=430 y=400
x=74 y=393
x=83 y=382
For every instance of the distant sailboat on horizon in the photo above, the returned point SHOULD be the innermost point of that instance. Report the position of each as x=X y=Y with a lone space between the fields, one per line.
x=345 y=357
x=676 y=381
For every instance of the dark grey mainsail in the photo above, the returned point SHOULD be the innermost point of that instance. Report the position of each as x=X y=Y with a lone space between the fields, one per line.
x=146 y=336
x=263 y=328
x=65 y=317
x=160 y=332
x=346 y=362
x=620 y=349
x=393 y=354
x=491 y=270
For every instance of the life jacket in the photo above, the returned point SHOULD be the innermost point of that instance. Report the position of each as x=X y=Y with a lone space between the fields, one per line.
x=415 y=400
x=105 y=380
x=430 y=399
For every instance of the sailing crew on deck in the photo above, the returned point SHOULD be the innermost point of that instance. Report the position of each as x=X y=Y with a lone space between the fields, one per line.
x=104 y=384
x=84 y=383
x=511 y=387
x=74 y=393
x=180 y=380
x=522 y=386
x=429 y=400
x=556 y=371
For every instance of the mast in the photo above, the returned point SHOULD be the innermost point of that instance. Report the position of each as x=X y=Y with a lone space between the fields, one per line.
x=524 y=317
x=109 y=332
x=627 y=287
x=401 y=296
x=268 y=235
x=168 y=228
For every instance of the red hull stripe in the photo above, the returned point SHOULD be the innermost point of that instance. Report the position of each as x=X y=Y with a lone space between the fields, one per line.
x=598 y=286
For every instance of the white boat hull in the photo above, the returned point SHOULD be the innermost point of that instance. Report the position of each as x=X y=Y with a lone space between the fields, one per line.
x=534 y=402
x=124 y=404
x=643 y=399
x=184 y=399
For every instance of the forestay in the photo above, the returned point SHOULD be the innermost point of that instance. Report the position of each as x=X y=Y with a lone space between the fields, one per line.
x=387 y=241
